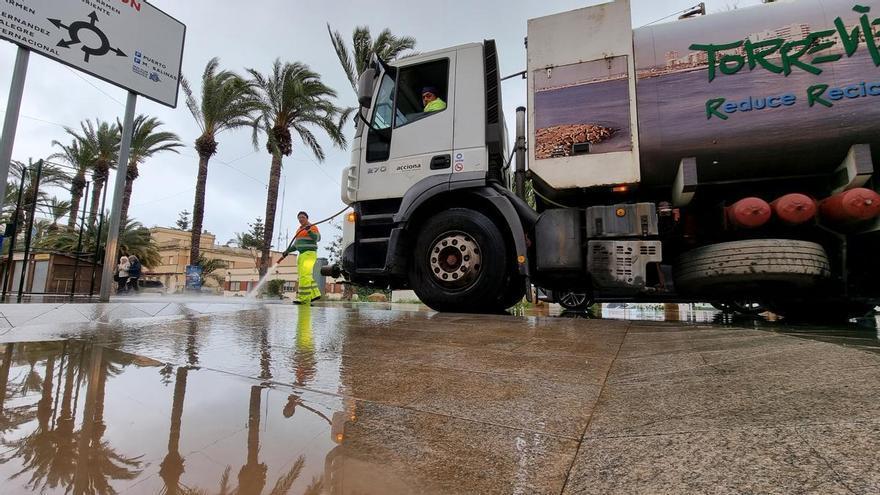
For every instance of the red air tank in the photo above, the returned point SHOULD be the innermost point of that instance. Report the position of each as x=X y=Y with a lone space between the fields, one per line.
x=795 y=208
x=748 y=213
x=855 y=205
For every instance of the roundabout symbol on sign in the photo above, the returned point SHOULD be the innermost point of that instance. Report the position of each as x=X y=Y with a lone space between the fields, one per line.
x=73 y=31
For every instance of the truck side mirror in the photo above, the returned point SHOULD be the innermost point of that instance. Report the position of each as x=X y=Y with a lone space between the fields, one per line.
x=366 y=84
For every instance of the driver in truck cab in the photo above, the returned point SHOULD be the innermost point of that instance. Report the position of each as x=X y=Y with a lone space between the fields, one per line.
x=432 y=102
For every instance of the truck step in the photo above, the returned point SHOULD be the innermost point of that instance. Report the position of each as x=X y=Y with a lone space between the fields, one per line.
x=374 y=240
x=377 y=219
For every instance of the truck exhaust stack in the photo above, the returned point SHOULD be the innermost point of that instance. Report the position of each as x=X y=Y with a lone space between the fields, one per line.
x=855 y=205
x=795 y=208
x=748 y=213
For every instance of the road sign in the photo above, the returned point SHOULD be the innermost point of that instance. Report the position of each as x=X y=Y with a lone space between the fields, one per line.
x=128 y=43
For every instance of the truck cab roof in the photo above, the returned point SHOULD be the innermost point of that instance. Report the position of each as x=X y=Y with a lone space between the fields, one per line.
x=422 y=56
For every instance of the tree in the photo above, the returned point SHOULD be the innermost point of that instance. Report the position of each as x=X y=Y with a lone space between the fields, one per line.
x=253 y=239
x=211 y=265
x=80 y=156
x=32 y=193
x=146 y=141
x=58 y=208
x=335 y=247
x=227 y=102
x=292 y=97
x=103 y=139
x=356 y=60
x=134 y=239
x=183 y=220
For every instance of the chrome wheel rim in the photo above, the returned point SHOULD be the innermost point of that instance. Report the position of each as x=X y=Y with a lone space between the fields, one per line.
x=573 y=299
x=455 y=260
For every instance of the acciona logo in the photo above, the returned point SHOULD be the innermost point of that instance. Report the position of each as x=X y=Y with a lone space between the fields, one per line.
x=409 y=167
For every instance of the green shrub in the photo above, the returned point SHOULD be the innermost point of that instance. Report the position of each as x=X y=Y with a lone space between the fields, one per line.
x=274 y=288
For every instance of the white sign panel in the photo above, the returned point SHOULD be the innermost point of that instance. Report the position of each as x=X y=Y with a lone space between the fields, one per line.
x=129 y=43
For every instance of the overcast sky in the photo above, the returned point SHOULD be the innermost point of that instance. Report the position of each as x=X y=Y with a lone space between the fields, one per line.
x=253 y=34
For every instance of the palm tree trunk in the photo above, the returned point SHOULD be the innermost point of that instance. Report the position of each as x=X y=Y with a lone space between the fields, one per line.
x=76 y=193
x=96 y=201
x=271 y=205
x=130 y=176
x=198 y=209
x=172 y=468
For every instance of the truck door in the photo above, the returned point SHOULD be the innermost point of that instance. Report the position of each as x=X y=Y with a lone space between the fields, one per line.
x=406 y=143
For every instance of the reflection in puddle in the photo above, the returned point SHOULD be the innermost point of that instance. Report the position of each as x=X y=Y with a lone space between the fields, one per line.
x=80 y=418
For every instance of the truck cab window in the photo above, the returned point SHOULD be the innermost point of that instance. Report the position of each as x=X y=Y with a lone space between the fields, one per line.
x=379 y=136
x=412 y=82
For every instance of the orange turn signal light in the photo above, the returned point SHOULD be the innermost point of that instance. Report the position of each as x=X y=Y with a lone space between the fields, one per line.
x=620 y=189
x=351 y=217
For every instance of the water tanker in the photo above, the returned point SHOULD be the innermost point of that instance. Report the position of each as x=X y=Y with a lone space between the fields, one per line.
x=726 y=158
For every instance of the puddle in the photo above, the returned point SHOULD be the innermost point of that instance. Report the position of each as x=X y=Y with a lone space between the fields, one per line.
x=80 y=418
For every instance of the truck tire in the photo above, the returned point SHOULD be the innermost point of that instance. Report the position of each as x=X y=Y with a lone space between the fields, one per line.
x=732 y=266
x=513 y=293
x=460 y=263
x=573 y=300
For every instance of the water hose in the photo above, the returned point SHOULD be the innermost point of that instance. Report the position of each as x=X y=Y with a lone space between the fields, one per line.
x=331 y=217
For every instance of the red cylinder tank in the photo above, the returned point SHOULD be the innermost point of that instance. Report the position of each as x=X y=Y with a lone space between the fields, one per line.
x=795 y=208
x=855 y=205
x=748 y=213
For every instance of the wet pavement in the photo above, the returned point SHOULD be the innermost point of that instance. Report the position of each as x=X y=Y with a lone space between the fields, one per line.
x=357 y=400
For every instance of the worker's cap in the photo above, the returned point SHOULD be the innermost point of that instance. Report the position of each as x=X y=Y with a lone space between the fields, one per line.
x=430 y=89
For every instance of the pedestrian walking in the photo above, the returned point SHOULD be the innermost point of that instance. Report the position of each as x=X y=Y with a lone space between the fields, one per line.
x=122 y=271
x=306 y=244
x=134 y=272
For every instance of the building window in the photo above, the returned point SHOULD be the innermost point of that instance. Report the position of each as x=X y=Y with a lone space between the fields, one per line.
x=171 y=260
x=235 y=286
x=289 y=286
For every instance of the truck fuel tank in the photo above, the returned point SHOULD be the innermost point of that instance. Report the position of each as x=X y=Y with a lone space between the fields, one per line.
x=855 y=205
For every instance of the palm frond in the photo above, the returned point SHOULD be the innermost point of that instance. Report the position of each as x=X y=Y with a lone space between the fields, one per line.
x=343 y=55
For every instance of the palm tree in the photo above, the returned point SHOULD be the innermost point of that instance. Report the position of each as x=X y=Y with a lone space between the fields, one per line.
x=355 y=61
x=227 y=102
x=103 y=139
x=134 y=239
x=292 y=97
x=32 y=193
x=146 y=141
x=211 y=265
x=80 y=156
x=57 y=209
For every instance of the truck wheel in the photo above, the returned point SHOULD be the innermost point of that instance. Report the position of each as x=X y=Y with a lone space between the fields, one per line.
x=573 y=300
x=738 y=265
x=740 y=307
x=460 y=263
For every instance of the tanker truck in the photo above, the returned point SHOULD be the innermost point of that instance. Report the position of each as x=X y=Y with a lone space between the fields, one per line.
x=727 y=158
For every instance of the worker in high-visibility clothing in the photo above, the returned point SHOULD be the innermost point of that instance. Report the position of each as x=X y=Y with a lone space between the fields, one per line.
x=305 y=242
x=431 y=100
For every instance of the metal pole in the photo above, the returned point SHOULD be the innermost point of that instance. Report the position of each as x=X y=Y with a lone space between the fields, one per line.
x=79 y=242
x=7 y=277
x=98 y=254
x=30 y=227
x=116 y=210
x=13 y=106
x=519 y=175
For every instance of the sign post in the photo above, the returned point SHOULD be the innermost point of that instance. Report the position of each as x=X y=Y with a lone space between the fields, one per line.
x=129 y=43
x=10 y=123
x=116 y=209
